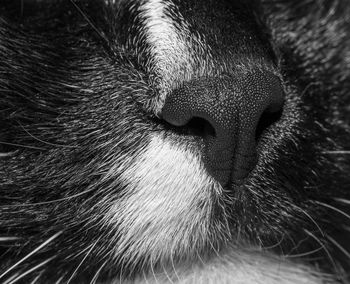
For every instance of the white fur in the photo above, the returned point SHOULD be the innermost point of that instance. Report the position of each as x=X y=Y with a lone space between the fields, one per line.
x=167 y=205
x=171 y=49
x=239 y=267
x=158 y=217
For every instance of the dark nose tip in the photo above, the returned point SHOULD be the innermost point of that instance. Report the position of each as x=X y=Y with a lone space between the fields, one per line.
x=233 y=106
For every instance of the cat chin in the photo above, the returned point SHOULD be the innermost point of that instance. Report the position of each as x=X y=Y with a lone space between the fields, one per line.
x=238 y=266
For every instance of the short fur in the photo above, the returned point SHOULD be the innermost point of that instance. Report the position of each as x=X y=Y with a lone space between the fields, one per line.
x=96 y=188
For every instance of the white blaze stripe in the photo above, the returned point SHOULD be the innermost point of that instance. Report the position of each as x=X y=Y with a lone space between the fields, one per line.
x=169 y=50
x=167 y=205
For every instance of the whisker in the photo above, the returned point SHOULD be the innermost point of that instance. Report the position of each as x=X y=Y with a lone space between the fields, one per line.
x=342 y=200
x=173 y=267
x=23 y=146
x=94 y=279
x=165 y=272
x=310 y=85
x=346 y=228
x=312 y=220
x=121 y=273
x=334 y=209
x=36 y=278
x=45 y=142
x=200 y=258
x=59 y=280
x=7 y=154
x=100 y=34
x=336 y=152
x=86 y=255
x=152 y=271
x=323 y=247
x=51 y=201
x=11 y=278
x=340 y=247
x=297 y=245
x=304 y=254
x=216 y=252
x=31 y=270
x=31 y=253
x=145 y=278
x=8 y=239
x=277 y=244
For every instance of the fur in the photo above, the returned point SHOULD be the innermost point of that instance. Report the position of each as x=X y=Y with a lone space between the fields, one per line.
x=97 y=188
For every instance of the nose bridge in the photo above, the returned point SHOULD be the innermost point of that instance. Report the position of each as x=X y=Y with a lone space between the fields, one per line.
x=233 y=107
x=210 y=99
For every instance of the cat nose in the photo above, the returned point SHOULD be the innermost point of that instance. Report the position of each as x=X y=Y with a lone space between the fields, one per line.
x=232 y=107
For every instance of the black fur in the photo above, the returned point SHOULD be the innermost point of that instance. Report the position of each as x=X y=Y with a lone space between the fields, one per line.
x=76 y=99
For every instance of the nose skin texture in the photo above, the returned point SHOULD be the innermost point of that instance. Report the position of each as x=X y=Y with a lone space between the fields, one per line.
x=233 y=106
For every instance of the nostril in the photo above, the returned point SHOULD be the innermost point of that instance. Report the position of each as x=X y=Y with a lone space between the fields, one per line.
x=200 y=127
x=197 y=127
x=266 y=120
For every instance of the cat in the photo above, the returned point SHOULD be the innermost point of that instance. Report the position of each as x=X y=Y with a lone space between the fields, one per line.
x=168 y=141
